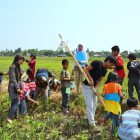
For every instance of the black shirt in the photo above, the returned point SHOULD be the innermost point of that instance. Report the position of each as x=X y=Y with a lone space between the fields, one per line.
x=97 y=72
x=133 y=71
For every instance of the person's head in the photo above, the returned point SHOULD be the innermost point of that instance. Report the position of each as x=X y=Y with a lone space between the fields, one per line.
x=65 y=63
x=110 y=62
x=132 y=103
x=29 y=72
x=80 y=47
x=18 y=59
x=112 y=77
x=32 y=56
x=115 y=50
x=131 y=56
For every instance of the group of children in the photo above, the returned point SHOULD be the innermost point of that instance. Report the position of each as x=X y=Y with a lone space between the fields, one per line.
x=29 y=86
x=19 y=91
x=129 y=126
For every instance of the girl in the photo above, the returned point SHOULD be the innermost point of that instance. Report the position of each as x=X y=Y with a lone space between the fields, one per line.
x=31 y=64
x=112 y=93
x=27 y=89
x=13 y=86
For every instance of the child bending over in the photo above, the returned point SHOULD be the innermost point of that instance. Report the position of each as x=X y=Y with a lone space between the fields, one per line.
x=112 y=93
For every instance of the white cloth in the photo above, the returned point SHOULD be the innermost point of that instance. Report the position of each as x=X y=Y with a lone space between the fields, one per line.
x=91 y=103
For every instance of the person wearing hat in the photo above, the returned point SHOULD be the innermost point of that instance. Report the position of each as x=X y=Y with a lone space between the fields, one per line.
x=31 y=64
x=133 y=75
x=13 y=86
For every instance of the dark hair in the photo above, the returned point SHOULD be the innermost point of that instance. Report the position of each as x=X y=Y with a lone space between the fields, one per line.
x=132 y=56
x=33 y=55
x=17 y=58
x=132 y=102
x=115 y=48
x=111 y=58
x=64 y=61
x=112 y=77
x=80 y=45
x=29 y=71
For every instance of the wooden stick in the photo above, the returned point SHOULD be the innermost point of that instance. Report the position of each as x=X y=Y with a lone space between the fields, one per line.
x=83 y=72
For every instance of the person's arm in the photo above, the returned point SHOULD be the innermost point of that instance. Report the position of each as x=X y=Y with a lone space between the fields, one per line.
x=31 y=100
x=120 y=93
x=128 y=65
x=87 y=69
x=103 y=92
x=63 y=76
x=119 y=65
x=66 y=79
x=98 y=83
x=12 y=77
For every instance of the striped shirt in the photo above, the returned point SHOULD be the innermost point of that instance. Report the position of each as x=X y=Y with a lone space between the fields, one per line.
x=112 y=97
x=128 y=129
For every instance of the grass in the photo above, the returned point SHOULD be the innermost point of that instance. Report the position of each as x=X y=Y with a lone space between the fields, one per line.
x=46 y=120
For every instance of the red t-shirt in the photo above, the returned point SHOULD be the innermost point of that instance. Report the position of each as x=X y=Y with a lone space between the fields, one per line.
x=121 y=72
x=32 y=68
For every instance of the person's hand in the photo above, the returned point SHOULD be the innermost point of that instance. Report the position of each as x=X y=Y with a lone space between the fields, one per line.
x=37 y=103
x=91 y=82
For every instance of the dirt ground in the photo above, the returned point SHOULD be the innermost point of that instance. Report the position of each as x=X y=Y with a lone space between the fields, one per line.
x=4 y=86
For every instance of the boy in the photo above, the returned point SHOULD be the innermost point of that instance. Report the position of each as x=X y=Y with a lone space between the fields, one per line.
x=65 y=85
x=133 y=75
x=95 y=72
x=129 y=128
x=119 y=66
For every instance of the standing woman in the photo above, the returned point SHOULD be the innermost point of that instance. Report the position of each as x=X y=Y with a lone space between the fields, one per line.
x=14 y=87
x=31 y=64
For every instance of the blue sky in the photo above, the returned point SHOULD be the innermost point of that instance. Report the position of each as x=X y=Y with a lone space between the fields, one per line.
x=97 y=24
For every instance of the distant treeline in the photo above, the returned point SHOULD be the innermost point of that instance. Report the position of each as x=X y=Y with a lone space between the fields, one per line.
x=59 y=53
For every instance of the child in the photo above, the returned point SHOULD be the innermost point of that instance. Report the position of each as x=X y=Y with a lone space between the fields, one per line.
x=95 y=72
x=31 y=64
x=27 y=88
x=112 y=93
x=13 y=86
x=119 y=68
x=65 y=86
x=133 y=75
x=129 y=128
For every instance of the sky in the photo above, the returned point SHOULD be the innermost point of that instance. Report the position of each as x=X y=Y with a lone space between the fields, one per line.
x=97 y=24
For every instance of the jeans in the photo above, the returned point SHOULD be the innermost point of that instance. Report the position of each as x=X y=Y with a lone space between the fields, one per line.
x=91 y=103
x=23 y=107
x=65 y=99
x=134 y=82
x=114 y=119
x=14 y=108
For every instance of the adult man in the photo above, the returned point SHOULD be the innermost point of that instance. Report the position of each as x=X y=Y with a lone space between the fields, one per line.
x=119 y=66
x=95 y=72
x=82 y=58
